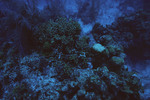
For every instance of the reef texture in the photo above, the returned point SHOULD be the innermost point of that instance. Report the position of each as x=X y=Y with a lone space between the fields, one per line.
x=62 y=65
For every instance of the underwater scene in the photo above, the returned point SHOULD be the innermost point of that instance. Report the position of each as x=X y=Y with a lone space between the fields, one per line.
x=74 y=49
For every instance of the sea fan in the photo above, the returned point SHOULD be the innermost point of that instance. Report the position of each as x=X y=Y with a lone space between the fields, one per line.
x=16 y=25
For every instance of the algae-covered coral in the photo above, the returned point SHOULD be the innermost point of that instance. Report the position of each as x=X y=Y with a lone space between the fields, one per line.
x=60 y=40
x=60 y=34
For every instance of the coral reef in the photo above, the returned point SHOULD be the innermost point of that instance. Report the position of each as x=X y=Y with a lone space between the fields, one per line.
x=63 y=66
